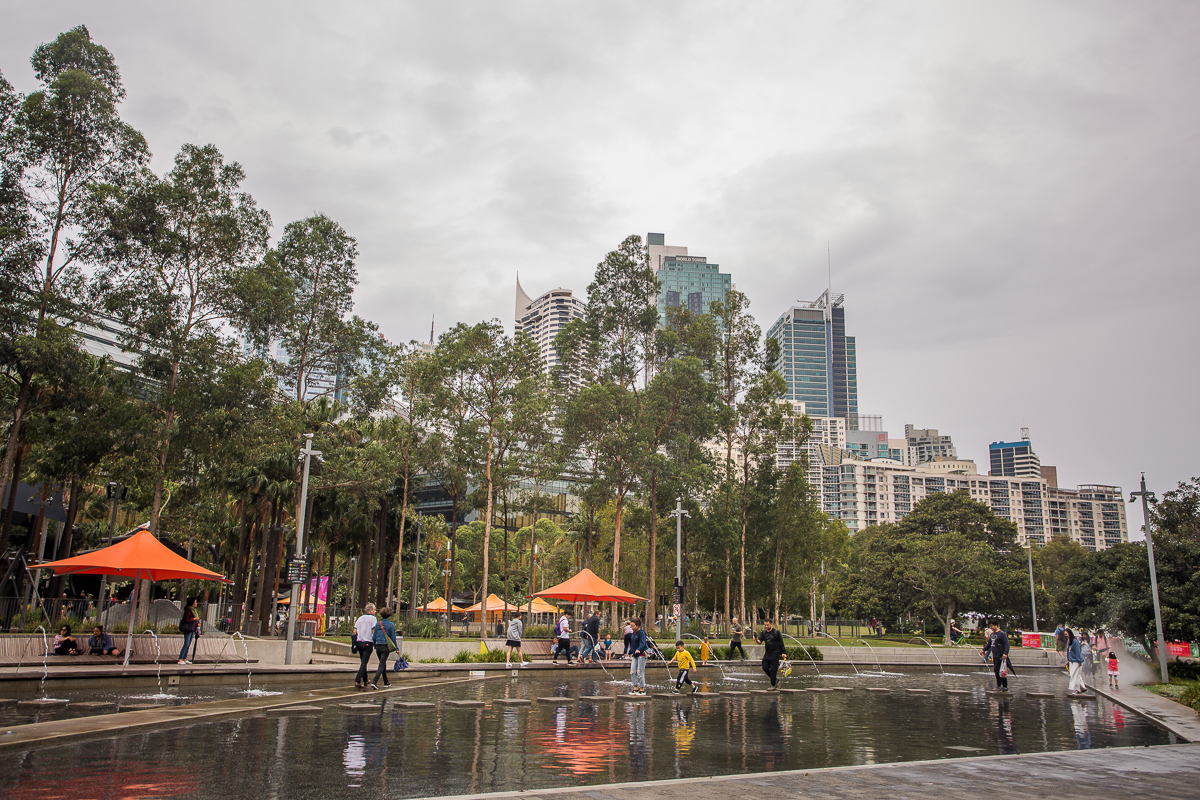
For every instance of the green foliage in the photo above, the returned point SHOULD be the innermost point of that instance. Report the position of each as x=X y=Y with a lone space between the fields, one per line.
x=463 y=657
x=1190 y=696
x=1187 y=671
x=434 y=660
x=804 y=653
x=419 y=628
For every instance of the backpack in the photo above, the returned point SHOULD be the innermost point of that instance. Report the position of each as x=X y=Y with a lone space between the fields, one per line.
x=188 y=625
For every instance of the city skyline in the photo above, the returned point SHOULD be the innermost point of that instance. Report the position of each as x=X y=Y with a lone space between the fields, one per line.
x=1007 y=194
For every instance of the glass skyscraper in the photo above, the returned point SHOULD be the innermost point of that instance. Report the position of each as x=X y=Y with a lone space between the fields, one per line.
x=688 y=281
x=817 y=358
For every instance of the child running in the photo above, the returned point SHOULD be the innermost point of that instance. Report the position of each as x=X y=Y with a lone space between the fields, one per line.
x=1113 y=671
x=705 y=652
x=683 y=659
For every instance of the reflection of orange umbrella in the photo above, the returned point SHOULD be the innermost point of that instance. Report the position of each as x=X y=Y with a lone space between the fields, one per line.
x=140 y=556
x=585 y=587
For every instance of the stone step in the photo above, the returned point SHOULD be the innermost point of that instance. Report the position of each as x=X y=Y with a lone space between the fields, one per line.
x=510 y=701
x=958 y=691
x=409 y=705
x=597 y=698
x=358 y=708
x=634 y=697
x=558 y=701
x=463 y=703
x=281 y=711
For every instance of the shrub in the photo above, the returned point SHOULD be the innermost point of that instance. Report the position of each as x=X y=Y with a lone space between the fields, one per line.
x=419 y=628
x=805 y=653
x=1186 y=670
x=537 y=632
x=433 y=660
x=1191 y=695
x=463 y=657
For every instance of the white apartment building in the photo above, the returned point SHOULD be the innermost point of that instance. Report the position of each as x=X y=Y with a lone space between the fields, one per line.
x=926 y=444
x=543 y=318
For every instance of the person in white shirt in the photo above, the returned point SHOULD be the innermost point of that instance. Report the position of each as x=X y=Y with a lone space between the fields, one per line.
x=364 y=632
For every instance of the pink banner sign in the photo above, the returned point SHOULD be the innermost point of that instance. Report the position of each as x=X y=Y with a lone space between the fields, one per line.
x=1180 y=649
x=318 y=589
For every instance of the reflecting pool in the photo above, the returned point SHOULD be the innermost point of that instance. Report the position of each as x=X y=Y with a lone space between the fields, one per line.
x=393 y=752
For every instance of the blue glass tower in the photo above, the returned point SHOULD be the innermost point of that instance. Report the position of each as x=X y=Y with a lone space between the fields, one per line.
x=817 y=358
x=688 y=281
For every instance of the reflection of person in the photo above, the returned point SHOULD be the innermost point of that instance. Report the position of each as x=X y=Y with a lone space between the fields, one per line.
x=772 y=642
x=686 y=663
x=188 y=626
x=101 y=644
x=64 y=643
x=364 y=632
x=516 y=629
x=638 y=648
x=997 y=648
x=735 y=640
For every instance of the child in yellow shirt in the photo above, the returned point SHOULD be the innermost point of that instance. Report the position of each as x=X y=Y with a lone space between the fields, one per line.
x=683 y=659
x=705 y=652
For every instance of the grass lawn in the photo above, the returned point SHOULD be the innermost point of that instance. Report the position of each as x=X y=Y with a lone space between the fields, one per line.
x=1171 y=691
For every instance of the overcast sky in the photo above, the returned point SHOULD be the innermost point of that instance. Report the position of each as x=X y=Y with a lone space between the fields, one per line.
x=1009 y=190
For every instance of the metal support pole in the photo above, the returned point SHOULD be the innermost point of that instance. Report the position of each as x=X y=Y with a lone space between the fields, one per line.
x=1032 y=596
x=1162 y=645
x=306 y=455
x=679 y=514
x=115 y=491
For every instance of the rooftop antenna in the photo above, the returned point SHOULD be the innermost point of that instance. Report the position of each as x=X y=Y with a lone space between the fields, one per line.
x=431 y=319
x=829 y=296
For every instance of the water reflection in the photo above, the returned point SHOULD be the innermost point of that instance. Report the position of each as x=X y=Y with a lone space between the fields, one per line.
x=394 y=753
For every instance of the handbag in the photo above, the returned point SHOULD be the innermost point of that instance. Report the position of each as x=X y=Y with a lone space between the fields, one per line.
x=354 y=643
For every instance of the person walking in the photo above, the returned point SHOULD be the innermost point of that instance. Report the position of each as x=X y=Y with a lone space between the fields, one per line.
x=591 y=635
x=1114 y=670
x=628 y=633
x=1085 y=649
x=638 y=647
x=188 y=626
x=562 y=638
x=997 y=648
x=1075 y=665
x=516 y=629
x=384 y=638
x=735 y=640
x=1060 y=643
x=772 y=642
x=364 y=635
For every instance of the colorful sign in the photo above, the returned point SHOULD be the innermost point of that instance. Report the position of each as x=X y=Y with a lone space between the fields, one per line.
x=1179 y=649
x=318 y=589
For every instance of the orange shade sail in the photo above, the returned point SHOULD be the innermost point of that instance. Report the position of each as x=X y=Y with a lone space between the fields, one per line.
x=140 y=556
x=495 y=606
x=588 y=587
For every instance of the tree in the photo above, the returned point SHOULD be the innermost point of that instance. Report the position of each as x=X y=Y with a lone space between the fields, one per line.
x=65 y=139
x=177 y=248
x=611 y=345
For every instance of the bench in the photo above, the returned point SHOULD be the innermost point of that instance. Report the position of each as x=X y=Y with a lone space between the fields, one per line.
x=537 y=649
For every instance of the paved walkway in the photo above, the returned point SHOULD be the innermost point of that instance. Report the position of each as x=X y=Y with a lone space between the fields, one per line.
x=1167 y=772
x=1175 y=717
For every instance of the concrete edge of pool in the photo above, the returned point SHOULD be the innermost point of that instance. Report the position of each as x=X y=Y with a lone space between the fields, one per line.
x=1161 y=771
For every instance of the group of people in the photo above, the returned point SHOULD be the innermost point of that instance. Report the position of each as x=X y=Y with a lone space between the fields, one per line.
x=98 y=644
x=373 y=634
x=1080 y=654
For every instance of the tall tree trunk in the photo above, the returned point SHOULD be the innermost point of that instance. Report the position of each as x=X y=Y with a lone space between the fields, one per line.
x=533 y=542
x=260 y=588
x=453 y=549
x=504 y=500
x=652 y=547
x=6 y=525
x=382 y=552
x=64 y=544
x=329 y=573
x=239 y=572
x=11 y=463
x=727 y=606
x=487 y=536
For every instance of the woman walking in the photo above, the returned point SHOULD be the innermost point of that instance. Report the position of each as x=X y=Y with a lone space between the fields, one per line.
x=628 y=632
x=385 y=643
x=188 y=626
x=1075 y=664
x=638 y=646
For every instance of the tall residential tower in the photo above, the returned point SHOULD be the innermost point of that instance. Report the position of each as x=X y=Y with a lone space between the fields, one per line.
x=544 y=317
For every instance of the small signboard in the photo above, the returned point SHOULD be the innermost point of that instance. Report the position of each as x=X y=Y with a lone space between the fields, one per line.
x=297 y=570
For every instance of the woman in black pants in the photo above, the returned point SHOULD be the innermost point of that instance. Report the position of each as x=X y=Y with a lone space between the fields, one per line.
x=385 y=643
x=364 y=633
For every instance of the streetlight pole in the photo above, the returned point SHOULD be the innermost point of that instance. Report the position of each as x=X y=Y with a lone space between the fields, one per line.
x=306 y=455
x=1032 y=596
x=1162 y=645
x=679 y=514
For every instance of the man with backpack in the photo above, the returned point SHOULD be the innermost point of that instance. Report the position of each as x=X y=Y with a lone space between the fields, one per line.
x=562 y=633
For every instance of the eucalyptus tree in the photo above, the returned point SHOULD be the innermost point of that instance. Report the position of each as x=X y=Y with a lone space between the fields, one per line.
x=178 y=248
x=485 y=374
x=59 y=143
x=611 y=348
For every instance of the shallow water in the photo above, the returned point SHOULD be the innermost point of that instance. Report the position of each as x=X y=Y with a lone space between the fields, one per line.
x=393 y=753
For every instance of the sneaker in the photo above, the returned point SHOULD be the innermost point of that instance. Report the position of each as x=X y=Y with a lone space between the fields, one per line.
x=374 y=687
x=523 y=665
x=695 y=688
x=507 y=665
x=674 y=691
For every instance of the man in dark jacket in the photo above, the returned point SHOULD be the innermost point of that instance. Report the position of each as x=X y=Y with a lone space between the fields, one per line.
x=997 y=646
x=772 y=642
x=591 y=635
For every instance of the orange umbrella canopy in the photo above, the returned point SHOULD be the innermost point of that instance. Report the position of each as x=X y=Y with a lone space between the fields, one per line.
x=587 y=586
x=495 y=604
x=140 y=556
x=436 y=605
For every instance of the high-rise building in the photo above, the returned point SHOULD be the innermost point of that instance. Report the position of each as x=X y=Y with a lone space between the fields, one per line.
x=543 y=318
x=817 y=358
x=925 y=444
x=688 y=281
x=1015 y=459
